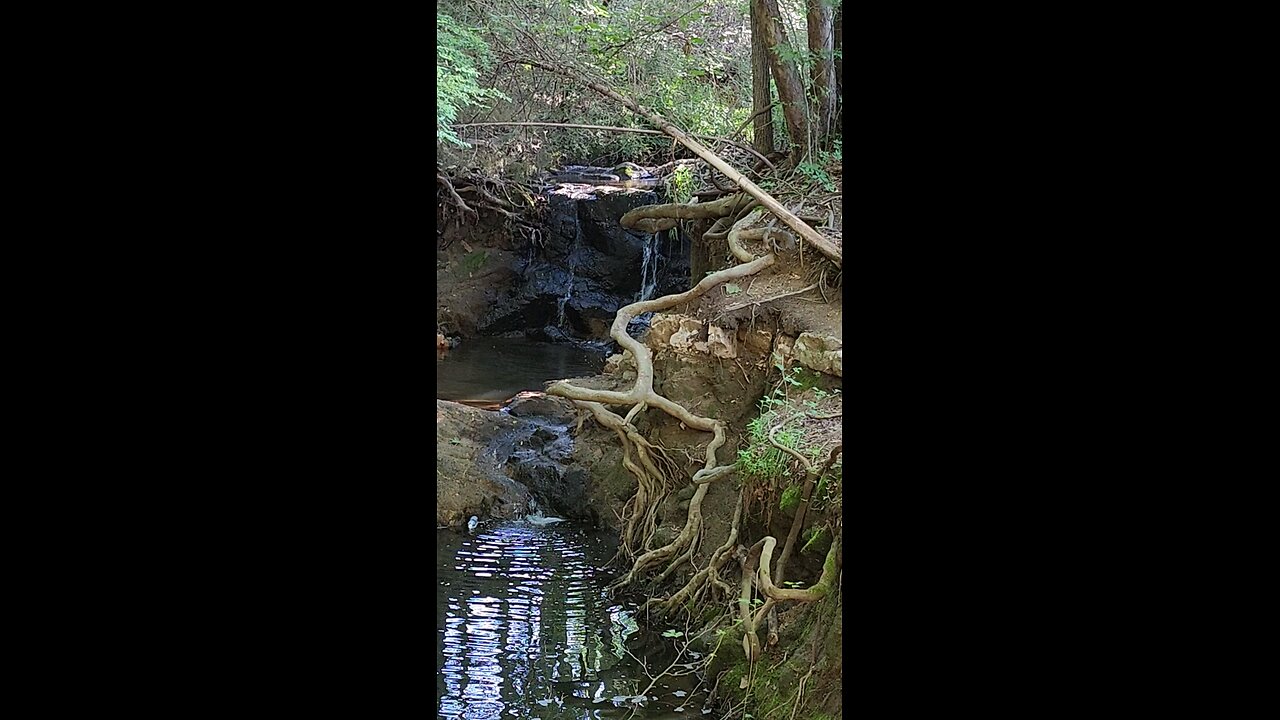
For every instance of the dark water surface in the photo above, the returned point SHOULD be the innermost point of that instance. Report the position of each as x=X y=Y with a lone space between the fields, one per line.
x=496 y=369
x=525 y=629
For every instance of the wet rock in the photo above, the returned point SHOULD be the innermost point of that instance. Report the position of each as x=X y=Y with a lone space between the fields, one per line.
x=553 y=408
x=560 y=492
x=468 y=480
x=596 y=326
x=589 y=266
x=822 y=353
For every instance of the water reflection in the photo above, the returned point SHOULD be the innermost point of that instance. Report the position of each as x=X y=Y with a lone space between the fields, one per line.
x=495 y=369
x=526 y=629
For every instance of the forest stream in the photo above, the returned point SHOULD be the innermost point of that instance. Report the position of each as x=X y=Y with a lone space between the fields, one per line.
x=526 y=630
x=488 y=370
x=525 y=625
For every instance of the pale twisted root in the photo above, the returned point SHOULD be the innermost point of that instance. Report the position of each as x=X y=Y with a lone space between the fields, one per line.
x=651 y=481
x=642 y=395
x=710 y=575
x=761 y=554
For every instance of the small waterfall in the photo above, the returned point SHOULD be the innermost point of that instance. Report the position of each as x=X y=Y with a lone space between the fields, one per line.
x=649 y=267
x=562 y=302
x=568 y=261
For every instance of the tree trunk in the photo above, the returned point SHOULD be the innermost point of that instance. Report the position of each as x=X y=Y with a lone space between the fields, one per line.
x=838 y=29
x=786 y=75
x=820 y=19
x=761 y=94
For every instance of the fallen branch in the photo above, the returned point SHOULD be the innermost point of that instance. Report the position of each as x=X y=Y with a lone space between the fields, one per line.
x=771 y=298
x=823 y=245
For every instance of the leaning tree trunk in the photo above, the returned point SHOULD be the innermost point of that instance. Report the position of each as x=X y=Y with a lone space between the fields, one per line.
x=786 y=75
x=761 y=95
x=820 y=19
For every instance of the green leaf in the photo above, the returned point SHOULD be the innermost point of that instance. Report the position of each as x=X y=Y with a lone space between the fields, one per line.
x=731 y=289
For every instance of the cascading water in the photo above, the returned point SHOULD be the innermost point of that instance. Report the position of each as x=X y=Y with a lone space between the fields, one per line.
x=649 y=267
x=568 y=261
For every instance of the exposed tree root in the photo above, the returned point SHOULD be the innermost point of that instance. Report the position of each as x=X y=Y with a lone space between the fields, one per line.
x=760 y=556
x=656 y=218
x=459 y=184
x=457 y=199
x=811 y=476
x=750 y=641
x=708 y=577
x=653 y=481
x=651 y=476
x=817 y=591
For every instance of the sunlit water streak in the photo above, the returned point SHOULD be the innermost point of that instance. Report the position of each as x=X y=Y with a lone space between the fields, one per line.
x=525 y=629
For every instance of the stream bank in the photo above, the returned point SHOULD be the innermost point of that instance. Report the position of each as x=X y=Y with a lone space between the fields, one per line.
x=726 y=356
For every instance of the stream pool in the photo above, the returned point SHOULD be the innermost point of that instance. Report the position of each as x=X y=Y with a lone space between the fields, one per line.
x=526 y=629
x=493 y=369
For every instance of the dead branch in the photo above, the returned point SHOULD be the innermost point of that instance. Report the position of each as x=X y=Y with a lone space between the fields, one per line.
x=823 y=245
x=771 y=298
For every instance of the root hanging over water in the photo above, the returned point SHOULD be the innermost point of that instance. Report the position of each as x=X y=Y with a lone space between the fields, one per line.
x=656 y=478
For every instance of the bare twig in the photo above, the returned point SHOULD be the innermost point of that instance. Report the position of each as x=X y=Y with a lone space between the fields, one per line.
x=771 y=298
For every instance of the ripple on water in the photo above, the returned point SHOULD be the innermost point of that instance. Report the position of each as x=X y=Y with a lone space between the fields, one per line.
x=526 y=630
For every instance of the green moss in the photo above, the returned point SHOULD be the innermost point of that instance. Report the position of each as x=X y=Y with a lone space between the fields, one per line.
x=733 y=678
